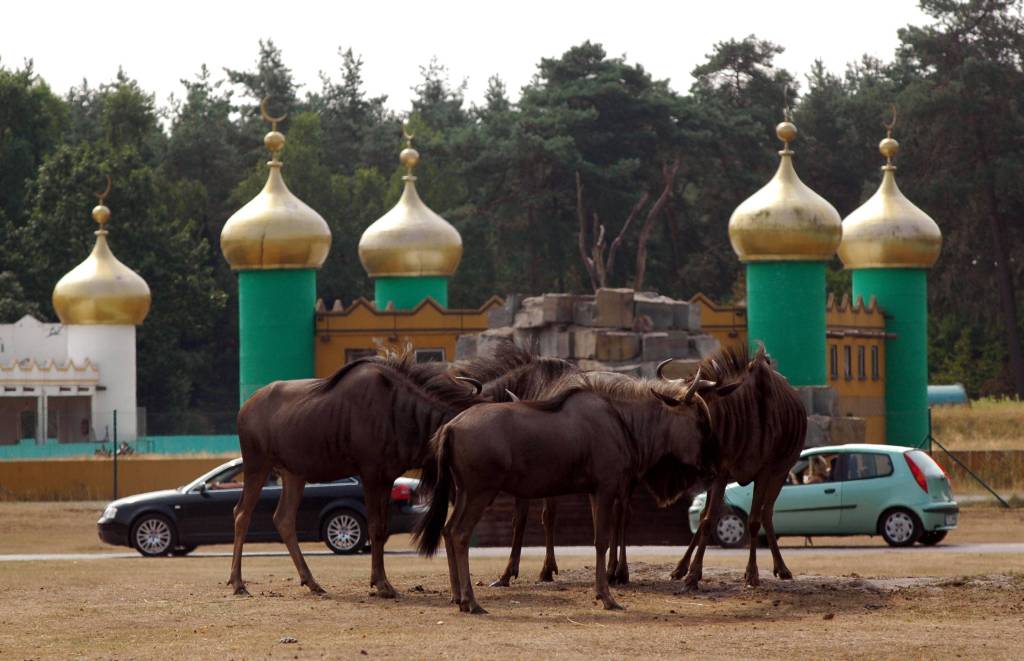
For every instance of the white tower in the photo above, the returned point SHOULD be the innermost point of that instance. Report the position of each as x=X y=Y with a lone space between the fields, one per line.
x=101 y=301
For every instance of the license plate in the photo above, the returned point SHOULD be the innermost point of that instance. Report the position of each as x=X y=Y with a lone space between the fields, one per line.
x=951 y=519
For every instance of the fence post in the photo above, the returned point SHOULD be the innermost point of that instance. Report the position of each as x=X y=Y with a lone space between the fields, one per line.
x=115 y=454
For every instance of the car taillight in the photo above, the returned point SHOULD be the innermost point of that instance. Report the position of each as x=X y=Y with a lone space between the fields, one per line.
x=401 y=492
x=915 y=470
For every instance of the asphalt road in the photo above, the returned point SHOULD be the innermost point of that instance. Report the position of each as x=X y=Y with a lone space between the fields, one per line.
x=534 y=551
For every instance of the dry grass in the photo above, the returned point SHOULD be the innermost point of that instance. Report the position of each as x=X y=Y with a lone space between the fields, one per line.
x=987 y=424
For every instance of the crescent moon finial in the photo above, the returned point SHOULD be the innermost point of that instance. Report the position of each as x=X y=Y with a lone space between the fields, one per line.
x=266 y=115
x=891 y=125
x=406 y=134
x=103 y=196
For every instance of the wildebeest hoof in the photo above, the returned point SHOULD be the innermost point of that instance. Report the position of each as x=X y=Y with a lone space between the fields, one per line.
x=386 y=591
x=752 y=579
x=241 y=591
x=677 y=574
x=622 y=577
x=314 y=587
x=784 y=574
x=610 y=604
x=502 y=582
x=547 y=574
x=475 y=609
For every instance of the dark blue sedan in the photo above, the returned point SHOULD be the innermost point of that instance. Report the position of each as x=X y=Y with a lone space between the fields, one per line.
x=176 y=521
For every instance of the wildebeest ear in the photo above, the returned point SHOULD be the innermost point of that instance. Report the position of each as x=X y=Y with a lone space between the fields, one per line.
x=726 y=390
x=669 y=401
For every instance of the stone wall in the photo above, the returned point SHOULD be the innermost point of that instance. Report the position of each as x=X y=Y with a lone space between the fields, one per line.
x=616 y=330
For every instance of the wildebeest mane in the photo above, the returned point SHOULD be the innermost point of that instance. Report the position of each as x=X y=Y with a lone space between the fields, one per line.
x=430 y=378
x=506 y=357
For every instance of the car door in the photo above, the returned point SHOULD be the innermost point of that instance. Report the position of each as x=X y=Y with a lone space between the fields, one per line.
x=809 y=509
x=207 y=514
x=867 y=480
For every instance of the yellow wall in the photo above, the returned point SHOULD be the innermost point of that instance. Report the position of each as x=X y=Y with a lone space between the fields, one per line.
x=362 y=326
x=853 y=325
x=92 y=478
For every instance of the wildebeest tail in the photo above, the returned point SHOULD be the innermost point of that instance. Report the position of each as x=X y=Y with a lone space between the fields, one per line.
x=427 y=533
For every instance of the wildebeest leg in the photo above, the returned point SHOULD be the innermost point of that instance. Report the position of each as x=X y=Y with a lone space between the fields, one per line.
x=378 y=499
x=462 y=532
x=550 y=567
x=712 y=510
x=613 y=557
x=284 y=520
x=601 y=506
x=684 y=562
x=779 y=566
x=449 y=548
x=518 y=528
x=754 y=527
x=622 y=572
x=253 y=485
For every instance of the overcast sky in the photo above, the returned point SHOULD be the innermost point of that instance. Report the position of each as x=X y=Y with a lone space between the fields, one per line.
x=158 y=44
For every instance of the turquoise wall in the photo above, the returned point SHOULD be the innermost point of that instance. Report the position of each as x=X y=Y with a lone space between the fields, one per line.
x=786 y=311
x=29 y=449
x=407 y=293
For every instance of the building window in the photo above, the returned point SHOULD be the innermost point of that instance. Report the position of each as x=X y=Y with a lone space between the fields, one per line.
x=862 y=373
x=429 y=355
x=834 y=361
x=848 y=362
x=874 y=363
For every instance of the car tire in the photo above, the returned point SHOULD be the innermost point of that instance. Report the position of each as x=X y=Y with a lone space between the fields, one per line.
x=899 y=527
x=153 y=535
x=344 y=532
x=183 y=550
x=731 y=530
x=932 y=537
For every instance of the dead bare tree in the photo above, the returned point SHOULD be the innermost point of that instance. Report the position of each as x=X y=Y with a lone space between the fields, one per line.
x=598 y=266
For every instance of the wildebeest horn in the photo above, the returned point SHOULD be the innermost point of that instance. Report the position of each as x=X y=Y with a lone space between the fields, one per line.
x=473 y=382
x=691 y=389
x=704 y=405
x=661 y=366
x=515 y=397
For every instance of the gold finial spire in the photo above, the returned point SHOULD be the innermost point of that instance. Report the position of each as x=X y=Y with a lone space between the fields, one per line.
x=888 y=146
x=888 y=230
x=409 y=156
x=100 y=213
x=786 y=129
x=275 y=139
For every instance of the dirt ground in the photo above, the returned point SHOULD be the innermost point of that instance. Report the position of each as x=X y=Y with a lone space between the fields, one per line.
x=901 y=604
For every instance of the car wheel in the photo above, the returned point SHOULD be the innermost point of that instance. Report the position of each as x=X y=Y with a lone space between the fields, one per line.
x=731 y=530
x=153 y=535
x=933 y=537
x=183 y=550
x=899 y=527
x=344 y=532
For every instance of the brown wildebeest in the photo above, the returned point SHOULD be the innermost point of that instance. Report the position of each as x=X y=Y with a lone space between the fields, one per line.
x=514 y=374
x=760 y=430
x=596 y=438
x=372 y=418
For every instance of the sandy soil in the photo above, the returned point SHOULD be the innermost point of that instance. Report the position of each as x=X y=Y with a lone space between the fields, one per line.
x=906 y=604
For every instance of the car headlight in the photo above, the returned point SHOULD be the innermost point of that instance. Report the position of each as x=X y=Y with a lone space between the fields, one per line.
x=109 y=513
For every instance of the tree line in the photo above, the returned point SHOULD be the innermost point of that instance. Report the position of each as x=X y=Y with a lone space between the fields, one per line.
x=590 y=137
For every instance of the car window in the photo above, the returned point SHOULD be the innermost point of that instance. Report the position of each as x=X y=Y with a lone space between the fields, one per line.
x=814 y=469
x=229 y=479
x=866 y=465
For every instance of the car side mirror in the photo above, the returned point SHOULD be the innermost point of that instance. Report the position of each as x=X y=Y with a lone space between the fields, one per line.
x=202 y=489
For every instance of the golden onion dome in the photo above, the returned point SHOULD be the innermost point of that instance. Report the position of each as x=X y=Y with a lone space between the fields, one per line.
x=785 y=220
x=410 y=239
x=101 y=290
x=889 y=231
x=275 y=229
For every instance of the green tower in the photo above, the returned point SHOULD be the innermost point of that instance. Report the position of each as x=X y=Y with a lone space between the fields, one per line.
x=275 y=243
x=890 y=244
x=785 y=233
x=410 y=251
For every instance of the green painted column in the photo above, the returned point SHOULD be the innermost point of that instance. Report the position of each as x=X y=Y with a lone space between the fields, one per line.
x=786 y=311
x=903 y=294
x=275 y=327
x=406 y=293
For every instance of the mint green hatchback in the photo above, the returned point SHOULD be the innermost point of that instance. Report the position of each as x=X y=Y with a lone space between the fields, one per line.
x=897 y=492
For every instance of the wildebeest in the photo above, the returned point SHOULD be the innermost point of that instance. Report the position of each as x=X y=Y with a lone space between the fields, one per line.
x=760 y=431
x=372 y=418
x=596 y=438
